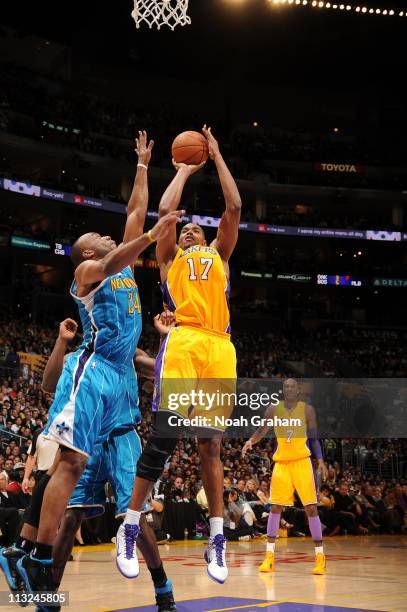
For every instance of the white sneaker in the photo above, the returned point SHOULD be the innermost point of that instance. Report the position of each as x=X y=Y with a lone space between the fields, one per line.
x=126 y=556
x=216 y=558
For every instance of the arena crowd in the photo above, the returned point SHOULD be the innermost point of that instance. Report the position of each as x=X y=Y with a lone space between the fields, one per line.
x=366 y=490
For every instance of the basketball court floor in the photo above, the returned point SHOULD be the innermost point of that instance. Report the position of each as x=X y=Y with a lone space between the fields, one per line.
x=364 y=573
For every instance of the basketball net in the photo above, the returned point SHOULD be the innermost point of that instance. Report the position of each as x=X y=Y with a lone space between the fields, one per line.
x=156 y=13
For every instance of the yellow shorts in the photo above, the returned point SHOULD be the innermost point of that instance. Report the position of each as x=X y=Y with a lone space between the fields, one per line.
x=195 y=376
x=290 y=476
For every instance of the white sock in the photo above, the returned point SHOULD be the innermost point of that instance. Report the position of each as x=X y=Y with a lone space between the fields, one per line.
x=271 y=546
x=319 y=549
x=132 y=517
x=216 y=524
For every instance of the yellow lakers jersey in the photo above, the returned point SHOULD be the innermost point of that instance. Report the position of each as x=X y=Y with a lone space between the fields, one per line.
x=197 y=289
x=291 y=438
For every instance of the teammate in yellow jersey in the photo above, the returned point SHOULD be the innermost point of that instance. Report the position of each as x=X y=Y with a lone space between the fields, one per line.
x=197 y=355
x=295 y=430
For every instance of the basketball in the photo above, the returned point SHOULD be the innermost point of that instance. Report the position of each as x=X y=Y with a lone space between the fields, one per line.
x=190 y=148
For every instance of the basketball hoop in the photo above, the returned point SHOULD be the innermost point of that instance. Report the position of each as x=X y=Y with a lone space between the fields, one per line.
x=161 y=12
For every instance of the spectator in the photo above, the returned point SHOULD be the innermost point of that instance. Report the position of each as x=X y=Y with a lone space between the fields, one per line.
x=177 y=491
x=8 y=466
x=392 y=517
x=154 y=517
x=254 y=501
x=330 y=450
x=12 y=359
x=331 y=482
x=15 y=480
x=326 y=510
x=9 y=515
x=349 y=510
x=202 y=499
x=237 y=522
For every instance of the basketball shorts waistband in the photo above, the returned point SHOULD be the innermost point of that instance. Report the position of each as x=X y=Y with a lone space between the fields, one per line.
x=118 y=367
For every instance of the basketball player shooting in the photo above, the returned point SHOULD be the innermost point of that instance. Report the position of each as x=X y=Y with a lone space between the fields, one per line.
x=195 y=284
x=293 y=469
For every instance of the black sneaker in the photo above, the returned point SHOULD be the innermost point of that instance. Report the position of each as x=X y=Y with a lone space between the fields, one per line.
x=36 y=574
x=8 y=564
x=164 y=598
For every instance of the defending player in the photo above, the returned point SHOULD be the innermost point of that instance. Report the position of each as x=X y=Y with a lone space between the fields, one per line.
x=293 y=469
x=195 y=282
x=113 y=461
x=98 y=379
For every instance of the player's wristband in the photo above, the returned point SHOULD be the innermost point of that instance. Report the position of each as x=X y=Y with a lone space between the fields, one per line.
x=150 y=236
x=315 y=445
x=142 y=166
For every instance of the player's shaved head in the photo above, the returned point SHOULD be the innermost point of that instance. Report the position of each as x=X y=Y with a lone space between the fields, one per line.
x=290 y=383
x=290 y=388
x=91 y=246
x=191 y=234
x=82 y=245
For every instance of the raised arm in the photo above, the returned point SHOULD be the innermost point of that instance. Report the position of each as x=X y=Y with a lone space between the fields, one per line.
x=95 y=270
x=260 y=431
x=228 y=229
x=167 y=246
x=137 y=206
x=55 y=363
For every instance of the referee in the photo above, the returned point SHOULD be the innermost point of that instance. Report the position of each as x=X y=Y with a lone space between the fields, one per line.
x=41 y=455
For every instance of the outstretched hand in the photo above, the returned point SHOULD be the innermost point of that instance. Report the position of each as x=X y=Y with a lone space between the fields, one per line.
x=164 y=322
x=143 y=151
x=213 y=144
x=166 y=224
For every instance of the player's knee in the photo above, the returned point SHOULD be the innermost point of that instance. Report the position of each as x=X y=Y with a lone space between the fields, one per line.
x=156 y=452
x=210 y=448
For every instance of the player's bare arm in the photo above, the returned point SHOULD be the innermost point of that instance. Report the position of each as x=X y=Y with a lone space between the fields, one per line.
x=55 y=363
x=92 y=271
x=167 y=247
x=29 y=467
x=314 y=442
x=260 y=431
x=228 y=229
x=138 y=202
x=144 y=364
x=163 y=323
